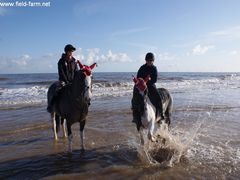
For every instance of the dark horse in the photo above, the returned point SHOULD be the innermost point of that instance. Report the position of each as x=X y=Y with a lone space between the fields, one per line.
x=147 y=118
x=72 y=102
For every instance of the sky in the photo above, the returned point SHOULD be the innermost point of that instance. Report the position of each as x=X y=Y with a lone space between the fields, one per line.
x=184 y=35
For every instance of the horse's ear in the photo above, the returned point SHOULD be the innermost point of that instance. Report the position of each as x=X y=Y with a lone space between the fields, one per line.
x=93 y=65
x=80 y=64
x=135 y=80
x=147 y=78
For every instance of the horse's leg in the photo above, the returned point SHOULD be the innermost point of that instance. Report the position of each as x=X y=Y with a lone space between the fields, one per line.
x=57 y=120
x=150 y=131
x=82 y=124
x=141 y=136
x=53 y=116
x=63 y=122
x=168 y=112
x=70 y=136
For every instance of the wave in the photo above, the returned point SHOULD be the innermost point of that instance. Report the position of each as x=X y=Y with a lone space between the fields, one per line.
x=112 y=84
x=36 y=92
x=36 y=83
x=3 y=78
x=28 y=95
x=232 y=77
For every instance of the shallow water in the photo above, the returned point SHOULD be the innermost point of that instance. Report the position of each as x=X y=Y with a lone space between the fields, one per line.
x=203 y=142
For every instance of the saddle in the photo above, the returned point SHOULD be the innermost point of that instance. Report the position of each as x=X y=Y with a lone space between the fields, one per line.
x=53 y=92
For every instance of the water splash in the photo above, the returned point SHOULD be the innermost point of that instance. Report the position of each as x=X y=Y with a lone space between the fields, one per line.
x=166 y=151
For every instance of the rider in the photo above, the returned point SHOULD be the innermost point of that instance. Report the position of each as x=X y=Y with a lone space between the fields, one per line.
x=67 y=66
x=148 y=69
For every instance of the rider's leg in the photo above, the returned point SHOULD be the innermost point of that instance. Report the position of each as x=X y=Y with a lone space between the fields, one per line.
x=156 y=100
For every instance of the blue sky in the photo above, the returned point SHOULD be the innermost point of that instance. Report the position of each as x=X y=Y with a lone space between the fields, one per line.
x=184 y=35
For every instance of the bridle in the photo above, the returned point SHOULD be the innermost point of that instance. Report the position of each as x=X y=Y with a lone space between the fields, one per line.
x=141 y=85
x=86 y=73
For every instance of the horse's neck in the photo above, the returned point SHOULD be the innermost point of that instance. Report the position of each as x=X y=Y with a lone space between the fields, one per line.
x=76 y=89
x=149 y=111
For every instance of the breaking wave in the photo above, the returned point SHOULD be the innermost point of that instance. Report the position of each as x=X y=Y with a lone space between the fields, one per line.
x=36 y=92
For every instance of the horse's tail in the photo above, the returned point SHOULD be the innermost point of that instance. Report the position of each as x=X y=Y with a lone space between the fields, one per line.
x=168 y=111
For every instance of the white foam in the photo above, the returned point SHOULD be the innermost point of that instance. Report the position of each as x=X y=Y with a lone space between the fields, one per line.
x=38 y=94
x=168 y=147
x=28 y=95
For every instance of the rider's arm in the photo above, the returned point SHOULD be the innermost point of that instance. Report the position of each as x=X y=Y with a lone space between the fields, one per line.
x=140 y=73
x=61 y=74
x=154 y=76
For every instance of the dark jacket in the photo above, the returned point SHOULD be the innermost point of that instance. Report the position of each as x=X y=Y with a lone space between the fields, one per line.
x=154 y=96
x=145 y=70
x=66 y=69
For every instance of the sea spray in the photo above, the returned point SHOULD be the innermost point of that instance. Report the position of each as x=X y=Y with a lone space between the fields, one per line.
x=166 y=151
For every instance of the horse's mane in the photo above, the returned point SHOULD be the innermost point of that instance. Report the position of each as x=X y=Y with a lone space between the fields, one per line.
x=139 y=100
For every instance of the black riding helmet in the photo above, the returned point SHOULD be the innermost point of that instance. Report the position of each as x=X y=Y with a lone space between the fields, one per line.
x=69 y=47
x=149 y=57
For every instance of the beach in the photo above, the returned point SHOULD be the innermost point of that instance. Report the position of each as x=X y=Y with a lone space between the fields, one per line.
x=203 y=138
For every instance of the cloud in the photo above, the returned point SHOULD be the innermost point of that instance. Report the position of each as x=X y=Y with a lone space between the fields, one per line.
x=48 y=62
x=118 y=57
x=231 y=33
x=27 y=64
x=234 y=52
x=94 y=55
x=23 y=60
x=165 y=56
x=19 y=62
x=200 y=50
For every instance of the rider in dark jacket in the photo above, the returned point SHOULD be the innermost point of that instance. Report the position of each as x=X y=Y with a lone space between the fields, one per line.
x=67 y=67
x=144 y=71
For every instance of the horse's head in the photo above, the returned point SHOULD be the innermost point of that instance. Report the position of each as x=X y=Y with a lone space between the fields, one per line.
x=141 y=84
x=141 y=95
x=86 y=79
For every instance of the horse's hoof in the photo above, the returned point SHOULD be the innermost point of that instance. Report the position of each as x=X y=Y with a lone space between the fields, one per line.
x=153 y=139
x=149 y=136
x=65 y=136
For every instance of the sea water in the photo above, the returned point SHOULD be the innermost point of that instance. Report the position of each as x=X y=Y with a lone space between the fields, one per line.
x=203 y=141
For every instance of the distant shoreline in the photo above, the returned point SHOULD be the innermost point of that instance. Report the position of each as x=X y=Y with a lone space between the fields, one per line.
x=215 y=72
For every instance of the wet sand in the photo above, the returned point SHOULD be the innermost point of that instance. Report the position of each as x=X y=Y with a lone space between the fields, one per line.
x=113 y=151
